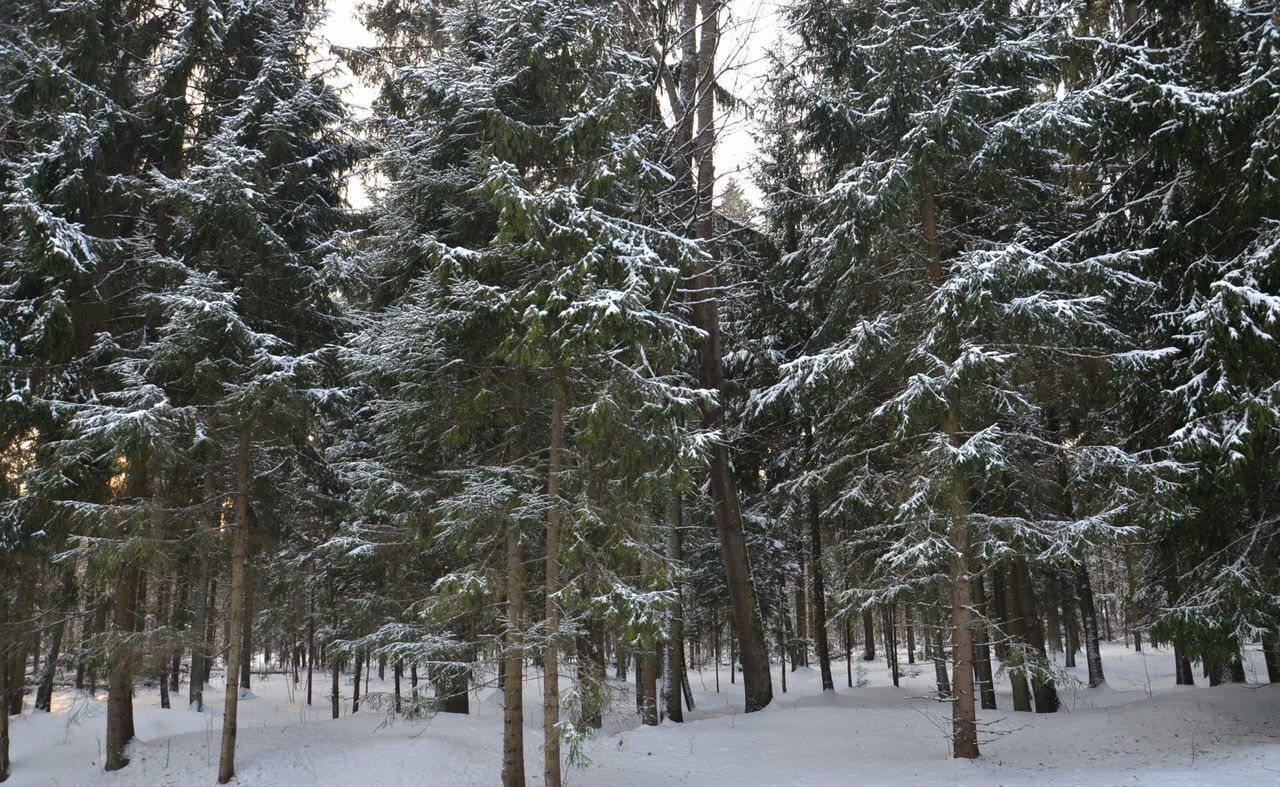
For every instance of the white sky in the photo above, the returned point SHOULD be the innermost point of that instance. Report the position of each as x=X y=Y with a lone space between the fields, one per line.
x=749 y=30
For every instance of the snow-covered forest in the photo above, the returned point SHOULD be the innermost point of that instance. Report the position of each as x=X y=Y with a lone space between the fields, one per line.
x=941 y=444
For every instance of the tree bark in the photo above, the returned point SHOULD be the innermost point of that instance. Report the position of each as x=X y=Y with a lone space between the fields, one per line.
x=513 y=705
x=4 y=712
x=1088 y=614
x=982 y=648
x=1016 y=638
x=706 y=315
x=818 y=581
x=235 y=643
x=246 y=636
x=551 y=657
x=125 y=622
x=1042 y=687
x=66 y=603
x=120 y=679
x=868 y=636
x=675 y=644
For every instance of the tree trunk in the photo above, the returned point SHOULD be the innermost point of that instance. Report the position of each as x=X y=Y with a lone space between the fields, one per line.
x=982 y=647
x=868 y=636
x=120 y=678
x=908 y=624
x=4 y=712
x=246 y=636
x=335 y=689
x=66 y=603
x=887 y=614
x=1088 y=614
x=551 y=657
x=311 y=641
x=237 y=611
x=1042 y=687
x=1070 y=631
x=821 y=644
x=675 y=643
x=1015 y=647
x=512 y=694
x=396 y=670
x=706 y=315
x=647 y=674
x=355 y=684
x=800 y=641
x=125 y=622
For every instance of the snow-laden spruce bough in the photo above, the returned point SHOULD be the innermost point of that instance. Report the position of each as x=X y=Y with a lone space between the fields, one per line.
x=986 y=377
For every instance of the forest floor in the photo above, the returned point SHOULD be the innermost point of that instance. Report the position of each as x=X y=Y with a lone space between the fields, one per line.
x=1139 y=729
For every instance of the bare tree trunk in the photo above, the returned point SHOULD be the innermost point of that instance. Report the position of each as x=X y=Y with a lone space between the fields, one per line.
x=647 y=676
x=1093 y=651
x=66 y=603
x=246 y=641
x=821 y=644
x=311 y=641
x=706 y=315
x=551 y=658
x=120 y=678
x=125 y=623
x=868 y=636
x=1015 y=637
x=4 y=711
x=675 y=644
x=235 y=642
x=355 y=685
x=1042 y=687
x=800 y=641
x=982 y=659
x=513 y=705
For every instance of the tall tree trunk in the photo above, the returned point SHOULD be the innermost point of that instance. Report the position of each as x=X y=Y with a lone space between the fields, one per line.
x=1046 y=694
x=66 y=603
x=1131 y=598
x=246 y=640
x=125 y=622
x=512 y=695
x=821 y=644
x=1088 y=614
x=868 y=636
x=1016 y=638
x=963 y=712
x=397 y=669
x=311 y=641
x=675 y=643
x=20 y=641
x=800 y=642
x=355 y=684
x=982 y=648
x=551 y=658
x=235 y=642
x=178 y=620
x=1070 y=630
x=890 y=632
x=4 y=712
x=647 y=678
x=198 y=635
x=120 y=678
x=706 y=315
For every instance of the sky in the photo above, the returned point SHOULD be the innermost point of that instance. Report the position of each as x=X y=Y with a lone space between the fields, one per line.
x=749 y=30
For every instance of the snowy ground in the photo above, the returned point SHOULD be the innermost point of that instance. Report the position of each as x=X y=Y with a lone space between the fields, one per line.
x=1140 y=729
